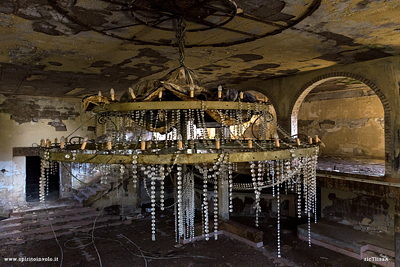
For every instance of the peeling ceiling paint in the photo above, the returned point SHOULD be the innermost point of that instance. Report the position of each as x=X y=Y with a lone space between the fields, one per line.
x=44 y=53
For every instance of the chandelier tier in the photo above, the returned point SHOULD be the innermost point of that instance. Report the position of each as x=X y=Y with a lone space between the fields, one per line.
x=161 y=128
x=133 y=136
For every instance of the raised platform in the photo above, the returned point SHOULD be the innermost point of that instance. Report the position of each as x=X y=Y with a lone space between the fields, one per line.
x=251 y=236
x=378 y=249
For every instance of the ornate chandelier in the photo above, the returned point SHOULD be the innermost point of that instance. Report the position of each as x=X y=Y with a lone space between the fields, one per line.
x=160 y=128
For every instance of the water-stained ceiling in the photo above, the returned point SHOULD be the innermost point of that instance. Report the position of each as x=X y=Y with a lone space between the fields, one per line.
x=78 y=47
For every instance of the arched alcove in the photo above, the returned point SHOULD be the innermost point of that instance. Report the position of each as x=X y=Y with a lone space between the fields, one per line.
x=351 y=116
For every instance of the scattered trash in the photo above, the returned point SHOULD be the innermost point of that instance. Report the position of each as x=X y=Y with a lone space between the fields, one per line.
x=136 y=217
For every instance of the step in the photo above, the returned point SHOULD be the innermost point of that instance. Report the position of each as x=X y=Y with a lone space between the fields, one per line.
x=346 y=240
x=45 y=221
x=54 y=213
x=79 y=197
x=56 y=227
x=43 y=210
x=86 y=192
x=62 y=232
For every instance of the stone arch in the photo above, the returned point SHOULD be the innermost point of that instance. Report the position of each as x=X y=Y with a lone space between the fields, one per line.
x=306 y=88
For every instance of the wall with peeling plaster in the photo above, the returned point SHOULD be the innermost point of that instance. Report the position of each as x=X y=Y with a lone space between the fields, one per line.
x=349 y=127
x=26 y=130
x=363 y=212
x=383 y=74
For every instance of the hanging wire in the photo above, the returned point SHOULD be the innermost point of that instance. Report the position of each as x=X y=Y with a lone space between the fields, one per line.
x=181 y=37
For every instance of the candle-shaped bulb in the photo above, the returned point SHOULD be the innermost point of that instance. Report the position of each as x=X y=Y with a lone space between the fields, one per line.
x=132 y=93
x=219 y=92
x=180 y=144
x=277 y=143
x=62 y=142
x=250 y=143
x=217 y=142
x=109 y=140
x=317 y=140
x=48 y=142
x=310 y=140
x=241 y=95
x=160 y=94
x=112 y=93
x=191 y=89
x=42 y=143
x=298 y=141
x=85 y=140
x=143 y=142
x=55 y=140
x=99 y=94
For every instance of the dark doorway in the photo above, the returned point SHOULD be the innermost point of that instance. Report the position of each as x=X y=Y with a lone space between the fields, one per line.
x=32 y=180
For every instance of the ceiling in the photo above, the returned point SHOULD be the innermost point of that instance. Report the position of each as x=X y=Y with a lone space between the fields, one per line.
x=71 y=48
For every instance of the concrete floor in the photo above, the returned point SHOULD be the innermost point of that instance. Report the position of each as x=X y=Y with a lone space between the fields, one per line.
x=115 y=250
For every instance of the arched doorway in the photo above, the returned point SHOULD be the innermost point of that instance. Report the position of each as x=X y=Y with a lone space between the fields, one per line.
x=348 y=115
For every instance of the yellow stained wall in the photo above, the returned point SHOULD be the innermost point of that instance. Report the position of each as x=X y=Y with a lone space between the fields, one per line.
x=13 y=134
x=348 y=127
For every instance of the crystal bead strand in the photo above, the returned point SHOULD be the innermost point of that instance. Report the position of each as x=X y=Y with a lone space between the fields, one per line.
x=42 y=179
x=205 y=202
x=278 y=209
x=286 y=174
x=200 y=128
x=272 y=171
x=154 y=136
x=153 y=202
x=191 y=119
x=178 y=124
x=173 y=133
x=203 y=123
x=307 y=199
x=185 y=205
x=254 y=179
x=191 y=205
x=180 y=211
x=202 y=219
x=134 y=169
x=186 y=121
x=264 y=129
x=215 y=202
x=166 y=128
x=162 y=178
x=298 y=186
x=121 y=172
x=314 y=180
x=294 y=176
x=305 y=180
x=249 y=111
x=240 y=118
x=47 y=177
x=230 y=183
x=176 y=215
x=267 y=171
x=258 y=191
